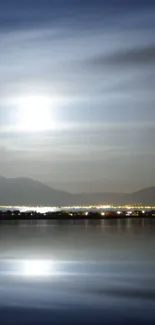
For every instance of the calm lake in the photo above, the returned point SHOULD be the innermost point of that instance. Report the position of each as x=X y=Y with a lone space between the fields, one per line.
x=104 y=270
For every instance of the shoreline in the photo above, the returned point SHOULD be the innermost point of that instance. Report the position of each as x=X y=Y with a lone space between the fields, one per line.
x=17 y=215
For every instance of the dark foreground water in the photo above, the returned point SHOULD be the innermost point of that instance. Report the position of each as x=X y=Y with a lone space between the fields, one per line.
x=100 y=272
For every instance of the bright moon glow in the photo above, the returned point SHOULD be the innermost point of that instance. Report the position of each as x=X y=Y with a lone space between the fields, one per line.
x=36 y=268
x=35 y=113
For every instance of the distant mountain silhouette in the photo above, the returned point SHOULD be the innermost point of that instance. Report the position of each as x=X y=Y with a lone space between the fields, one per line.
x=145 y=196
x=25 y=191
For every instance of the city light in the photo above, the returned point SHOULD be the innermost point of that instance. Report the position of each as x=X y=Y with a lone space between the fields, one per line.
x=119 y=210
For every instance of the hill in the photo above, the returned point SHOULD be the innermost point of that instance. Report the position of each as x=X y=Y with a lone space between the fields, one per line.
x=145 y=196
x=25 y=191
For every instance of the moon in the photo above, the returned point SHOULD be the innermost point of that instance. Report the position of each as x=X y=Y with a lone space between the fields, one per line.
x=34 y=113
x=36 y=268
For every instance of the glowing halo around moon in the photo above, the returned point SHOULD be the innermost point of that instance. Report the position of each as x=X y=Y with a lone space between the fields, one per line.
x=36 y=268
x=35 y=113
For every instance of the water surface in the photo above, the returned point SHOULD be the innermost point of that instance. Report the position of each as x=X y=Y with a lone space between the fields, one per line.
x=104 y=268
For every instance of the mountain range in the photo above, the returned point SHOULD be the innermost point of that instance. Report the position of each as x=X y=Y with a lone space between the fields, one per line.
x=25 y=191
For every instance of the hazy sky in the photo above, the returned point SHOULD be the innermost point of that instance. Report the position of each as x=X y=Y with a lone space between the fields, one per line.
x=83 y=73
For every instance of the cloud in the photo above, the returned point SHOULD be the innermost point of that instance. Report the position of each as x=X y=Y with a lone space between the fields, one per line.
x=135 y=56
x=82 y=127
x=102 y=61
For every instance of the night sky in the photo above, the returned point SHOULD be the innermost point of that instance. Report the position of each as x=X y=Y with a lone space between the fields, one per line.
x=83 y=74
